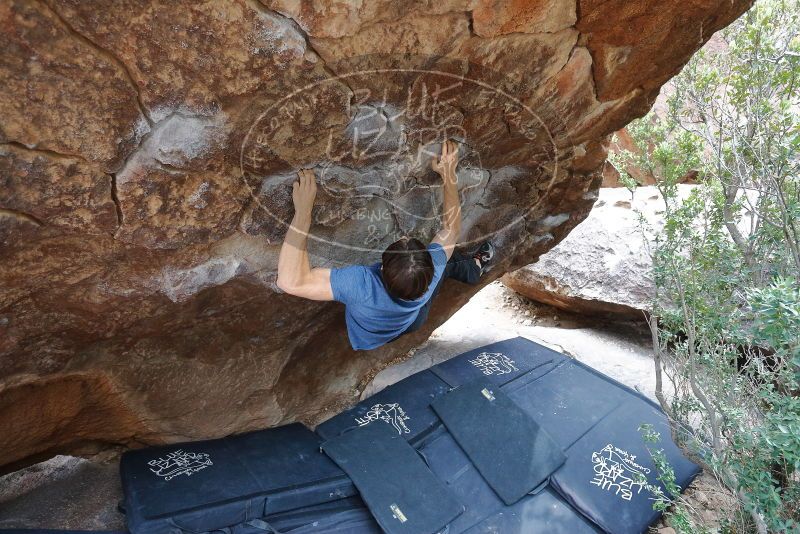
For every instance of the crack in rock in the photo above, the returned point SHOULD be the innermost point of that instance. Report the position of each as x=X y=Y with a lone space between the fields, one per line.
x=102 y=52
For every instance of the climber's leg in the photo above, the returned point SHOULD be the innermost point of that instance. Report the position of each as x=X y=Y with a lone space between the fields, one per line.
x=462 y=268
x=469 y=268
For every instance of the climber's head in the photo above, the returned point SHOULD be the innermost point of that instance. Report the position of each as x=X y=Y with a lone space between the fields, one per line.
x=407 y=268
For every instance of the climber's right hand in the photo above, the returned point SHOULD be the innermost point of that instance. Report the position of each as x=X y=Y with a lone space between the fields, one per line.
x=304 y=191
x=446 y=165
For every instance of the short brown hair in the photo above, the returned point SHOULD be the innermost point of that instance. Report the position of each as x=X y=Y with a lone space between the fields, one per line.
x=407 y=268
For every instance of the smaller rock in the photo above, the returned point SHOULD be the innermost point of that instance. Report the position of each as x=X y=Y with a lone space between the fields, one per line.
x=603 y=266
x=666 y=530
x=527 y=322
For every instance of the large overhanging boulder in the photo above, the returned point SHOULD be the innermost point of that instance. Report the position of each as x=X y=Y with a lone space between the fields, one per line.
x=145 y=167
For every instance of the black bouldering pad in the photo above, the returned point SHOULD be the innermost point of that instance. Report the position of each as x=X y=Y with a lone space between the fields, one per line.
x=206 y=485
x=512 y=452
x=542 y=511
x=404 y=407
x=499 y=363
x=608 y=469
x=402 y=493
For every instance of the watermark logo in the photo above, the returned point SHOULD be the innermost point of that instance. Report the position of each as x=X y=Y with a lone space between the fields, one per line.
x=616 y=471
x=494 y=363
x=178 y=463
x=370 y=136
x=390 y=413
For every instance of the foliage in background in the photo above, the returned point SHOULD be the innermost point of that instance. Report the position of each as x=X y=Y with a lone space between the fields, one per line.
x=726 y=321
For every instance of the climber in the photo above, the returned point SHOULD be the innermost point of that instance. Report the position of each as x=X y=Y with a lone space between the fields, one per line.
x=388 y=299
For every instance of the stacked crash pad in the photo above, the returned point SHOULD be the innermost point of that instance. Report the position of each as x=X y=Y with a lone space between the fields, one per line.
x=511 y=437
x=581 y=439
x=237 y=481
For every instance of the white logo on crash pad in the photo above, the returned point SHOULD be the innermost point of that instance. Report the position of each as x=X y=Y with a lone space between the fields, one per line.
x=494 y=363
x=616 y=471
x=179 y=463
x=389 y=413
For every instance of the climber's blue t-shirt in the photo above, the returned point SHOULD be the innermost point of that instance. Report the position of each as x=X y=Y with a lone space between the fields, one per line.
x=373 y=317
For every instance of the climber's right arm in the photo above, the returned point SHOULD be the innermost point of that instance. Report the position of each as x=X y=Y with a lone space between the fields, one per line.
x=295 y=275
x=451 y=211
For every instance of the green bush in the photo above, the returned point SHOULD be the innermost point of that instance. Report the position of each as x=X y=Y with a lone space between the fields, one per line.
x=726 y=318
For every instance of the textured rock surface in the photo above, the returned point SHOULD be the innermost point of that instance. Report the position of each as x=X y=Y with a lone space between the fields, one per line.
x=146 y=152
x=603 y=266
x=63 y=492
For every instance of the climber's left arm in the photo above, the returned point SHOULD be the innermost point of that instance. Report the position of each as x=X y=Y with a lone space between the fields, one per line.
x=295 y=275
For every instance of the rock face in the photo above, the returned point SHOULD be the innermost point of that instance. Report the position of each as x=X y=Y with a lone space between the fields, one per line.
x=146 y=155
x=603 y=267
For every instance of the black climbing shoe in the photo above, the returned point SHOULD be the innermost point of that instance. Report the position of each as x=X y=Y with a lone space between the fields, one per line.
x=485 y=255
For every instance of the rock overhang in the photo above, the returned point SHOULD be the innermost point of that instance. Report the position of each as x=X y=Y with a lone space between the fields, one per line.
x=139 y=243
